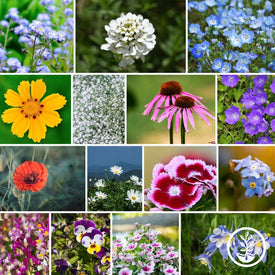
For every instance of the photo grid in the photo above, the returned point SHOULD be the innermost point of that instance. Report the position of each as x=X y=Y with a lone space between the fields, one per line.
x=136 y=137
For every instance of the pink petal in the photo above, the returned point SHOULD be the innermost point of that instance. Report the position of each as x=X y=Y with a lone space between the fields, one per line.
x=190 y=117
x=198 y=110
x=159 y=103
x=178 y=118
x=158 y=168
x=171 y=114
x=185 y=120
x=150 y=105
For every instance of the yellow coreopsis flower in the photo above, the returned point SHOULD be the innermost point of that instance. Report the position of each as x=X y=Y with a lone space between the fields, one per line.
x=30 y=113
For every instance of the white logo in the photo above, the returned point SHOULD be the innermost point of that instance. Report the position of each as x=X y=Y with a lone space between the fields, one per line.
x=246 y=253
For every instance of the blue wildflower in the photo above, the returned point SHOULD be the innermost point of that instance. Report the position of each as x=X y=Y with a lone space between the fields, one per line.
x=235 y=39
x=264 y=140
x=226 y=68
x=43 y=69
x=13 y=14
x=213 y=20
x=217 y=64
x=254 y=117
x=14 y=63
x=194 y=28
x=197 y=51
x=205 y=259
x=232 y=115
x=253 y=186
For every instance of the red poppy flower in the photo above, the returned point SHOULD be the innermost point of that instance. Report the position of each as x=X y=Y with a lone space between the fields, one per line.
x=30 y=175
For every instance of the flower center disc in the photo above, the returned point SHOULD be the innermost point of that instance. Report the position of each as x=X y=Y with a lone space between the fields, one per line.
x=31 y=178
x=252 y=184
x=170 y=88
x=185 y=102
x=31 y=107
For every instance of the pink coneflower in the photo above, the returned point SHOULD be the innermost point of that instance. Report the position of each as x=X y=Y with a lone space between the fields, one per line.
x=167 y=95
x=183 y=108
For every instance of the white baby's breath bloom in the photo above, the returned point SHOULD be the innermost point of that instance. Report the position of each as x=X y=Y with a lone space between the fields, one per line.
x=134 y=196
x=131 y=36
x=116 y=170
x=100 y=183
x=101 y=195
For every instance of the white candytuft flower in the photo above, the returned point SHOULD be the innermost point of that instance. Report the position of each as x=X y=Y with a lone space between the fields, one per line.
x=130 y=36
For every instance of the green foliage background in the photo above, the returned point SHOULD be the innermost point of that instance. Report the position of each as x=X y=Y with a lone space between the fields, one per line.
x=141 y=89
x=55 y=84
x=167 y=17
x=196 y=227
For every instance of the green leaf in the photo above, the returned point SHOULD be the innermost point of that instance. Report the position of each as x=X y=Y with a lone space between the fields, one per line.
x=74 y=259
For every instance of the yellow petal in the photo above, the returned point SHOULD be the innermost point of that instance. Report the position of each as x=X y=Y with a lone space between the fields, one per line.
x=24 y=90
x=38 y=89
x=50 y=118
x=13 y=99
x=93 y=248
x=37 y=130
x=20 y=126
x=54 y=102
x=10 y=115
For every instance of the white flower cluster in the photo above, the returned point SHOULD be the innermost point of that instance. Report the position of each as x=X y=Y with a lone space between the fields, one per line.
x=98 y=116
x=130 y=36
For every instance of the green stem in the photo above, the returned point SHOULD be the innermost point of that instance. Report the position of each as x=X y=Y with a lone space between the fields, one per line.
x=182 y=133
x=5 y=45
x=33 y=50
x=171 y=126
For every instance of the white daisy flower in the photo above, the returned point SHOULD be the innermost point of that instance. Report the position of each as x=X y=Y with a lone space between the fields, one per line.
x=100 y=183
x=101 y=195
x=116 y=170
x=134 y=196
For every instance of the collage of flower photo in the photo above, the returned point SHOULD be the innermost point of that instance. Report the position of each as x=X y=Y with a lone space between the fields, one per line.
x=137 y=137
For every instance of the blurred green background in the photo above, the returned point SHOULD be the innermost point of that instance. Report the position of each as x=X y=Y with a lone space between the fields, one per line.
x=227 y=179
x=196 y=227
x=167 y=17
x=55 y=84
x=141 y=89
x=167 y=224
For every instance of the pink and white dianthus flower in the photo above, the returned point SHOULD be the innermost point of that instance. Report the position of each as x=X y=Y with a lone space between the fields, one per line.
x=125 y=271
x=180 y=184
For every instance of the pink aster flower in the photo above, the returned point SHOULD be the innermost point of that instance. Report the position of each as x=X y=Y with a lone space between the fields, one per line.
x=183 y=108
x=167 y=96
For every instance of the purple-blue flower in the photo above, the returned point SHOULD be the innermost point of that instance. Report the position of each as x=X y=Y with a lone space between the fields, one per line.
x=264 y=140
x=270 y=109
x=217 y=64
x=230 y=80
x=254 y=117
x=260 y=80
x=213 y=20
x=272 y=86
x=232 y=115
x=247 y=36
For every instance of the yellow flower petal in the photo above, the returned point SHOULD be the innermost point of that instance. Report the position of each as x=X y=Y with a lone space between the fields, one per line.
x=13 y=99
x=24 y=90
x=93 y=248
x=50 y=118
x=10 y=115
x=20 y=125
x=37 y=129
x=54 y=102
x=38 y=89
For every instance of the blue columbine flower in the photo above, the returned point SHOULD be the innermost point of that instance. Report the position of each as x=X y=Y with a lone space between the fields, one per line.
x=205 y=259
x=232 y=115
x=254 y=186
